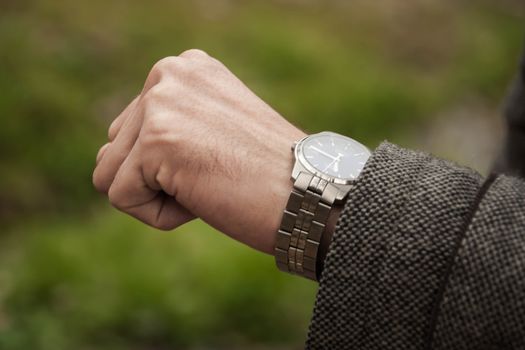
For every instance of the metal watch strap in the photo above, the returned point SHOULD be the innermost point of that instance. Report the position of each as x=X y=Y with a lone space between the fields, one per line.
x=303 y=224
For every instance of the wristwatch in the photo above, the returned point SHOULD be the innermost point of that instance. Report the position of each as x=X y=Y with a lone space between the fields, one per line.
x=326 y=166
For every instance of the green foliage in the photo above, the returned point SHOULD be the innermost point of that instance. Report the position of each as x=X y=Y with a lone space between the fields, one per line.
x=112 y=283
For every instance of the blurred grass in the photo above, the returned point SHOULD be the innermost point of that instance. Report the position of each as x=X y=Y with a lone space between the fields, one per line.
x=108 y=283
x=77 y=275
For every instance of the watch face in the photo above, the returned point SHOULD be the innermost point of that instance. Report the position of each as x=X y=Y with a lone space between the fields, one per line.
x=334 y=155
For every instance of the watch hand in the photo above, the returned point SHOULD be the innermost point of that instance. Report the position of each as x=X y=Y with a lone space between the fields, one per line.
x=336 y=161
x=323 y=152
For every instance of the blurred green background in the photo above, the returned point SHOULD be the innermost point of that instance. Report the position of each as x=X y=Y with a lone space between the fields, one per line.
x=76 y=274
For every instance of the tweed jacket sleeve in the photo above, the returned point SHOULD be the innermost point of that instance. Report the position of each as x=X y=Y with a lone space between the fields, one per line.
x=426 y=255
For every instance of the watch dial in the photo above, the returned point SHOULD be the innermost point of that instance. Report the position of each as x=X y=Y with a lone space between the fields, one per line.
x=335 y=155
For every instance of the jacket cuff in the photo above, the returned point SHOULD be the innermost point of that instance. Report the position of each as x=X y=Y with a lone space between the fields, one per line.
x=387 y=262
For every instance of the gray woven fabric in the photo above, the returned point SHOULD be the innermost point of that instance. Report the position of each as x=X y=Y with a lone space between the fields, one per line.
x=394 y=256
x=484 y=303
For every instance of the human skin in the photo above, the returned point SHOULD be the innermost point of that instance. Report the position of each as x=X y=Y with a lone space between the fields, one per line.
x=197 y=143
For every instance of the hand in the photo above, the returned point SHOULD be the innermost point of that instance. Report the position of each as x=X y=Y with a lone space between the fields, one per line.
x=198 y=143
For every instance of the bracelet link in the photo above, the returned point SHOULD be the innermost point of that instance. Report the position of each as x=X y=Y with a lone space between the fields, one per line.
x=303 y=224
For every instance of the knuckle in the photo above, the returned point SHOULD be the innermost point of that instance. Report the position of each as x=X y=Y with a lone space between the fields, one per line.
x=101 y=152
x=115 y=197
x=194 y=53
x=112 y=131
x=188 y=65
x=99 y=181
x=164 y=225
x=154 y=118
x=165 y=64
x=154 y=94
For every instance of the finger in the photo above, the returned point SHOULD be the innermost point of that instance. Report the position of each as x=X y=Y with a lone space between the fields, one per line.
x=116 y=125
x=131 y=194
x=116 y=153
x=101 y=152
x=127 y=134
x=162 y=212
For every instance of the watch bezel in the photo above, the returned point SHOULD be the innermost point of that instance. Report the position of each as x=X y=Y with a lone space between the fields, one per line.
x=299 y=156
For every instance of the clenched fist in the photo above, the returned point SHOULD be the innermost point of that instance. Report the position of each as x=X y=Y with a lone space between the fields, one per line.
x=198 y=143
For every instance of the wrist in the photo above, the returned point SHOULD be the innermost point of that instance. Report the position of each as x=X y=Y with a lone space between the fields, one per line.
x=326 y=166
x=278 y=187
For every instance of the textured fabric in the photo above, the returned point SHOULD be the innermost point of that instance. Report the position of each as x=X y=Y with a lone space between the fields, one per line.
x=406 y=268
x=484 y=303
